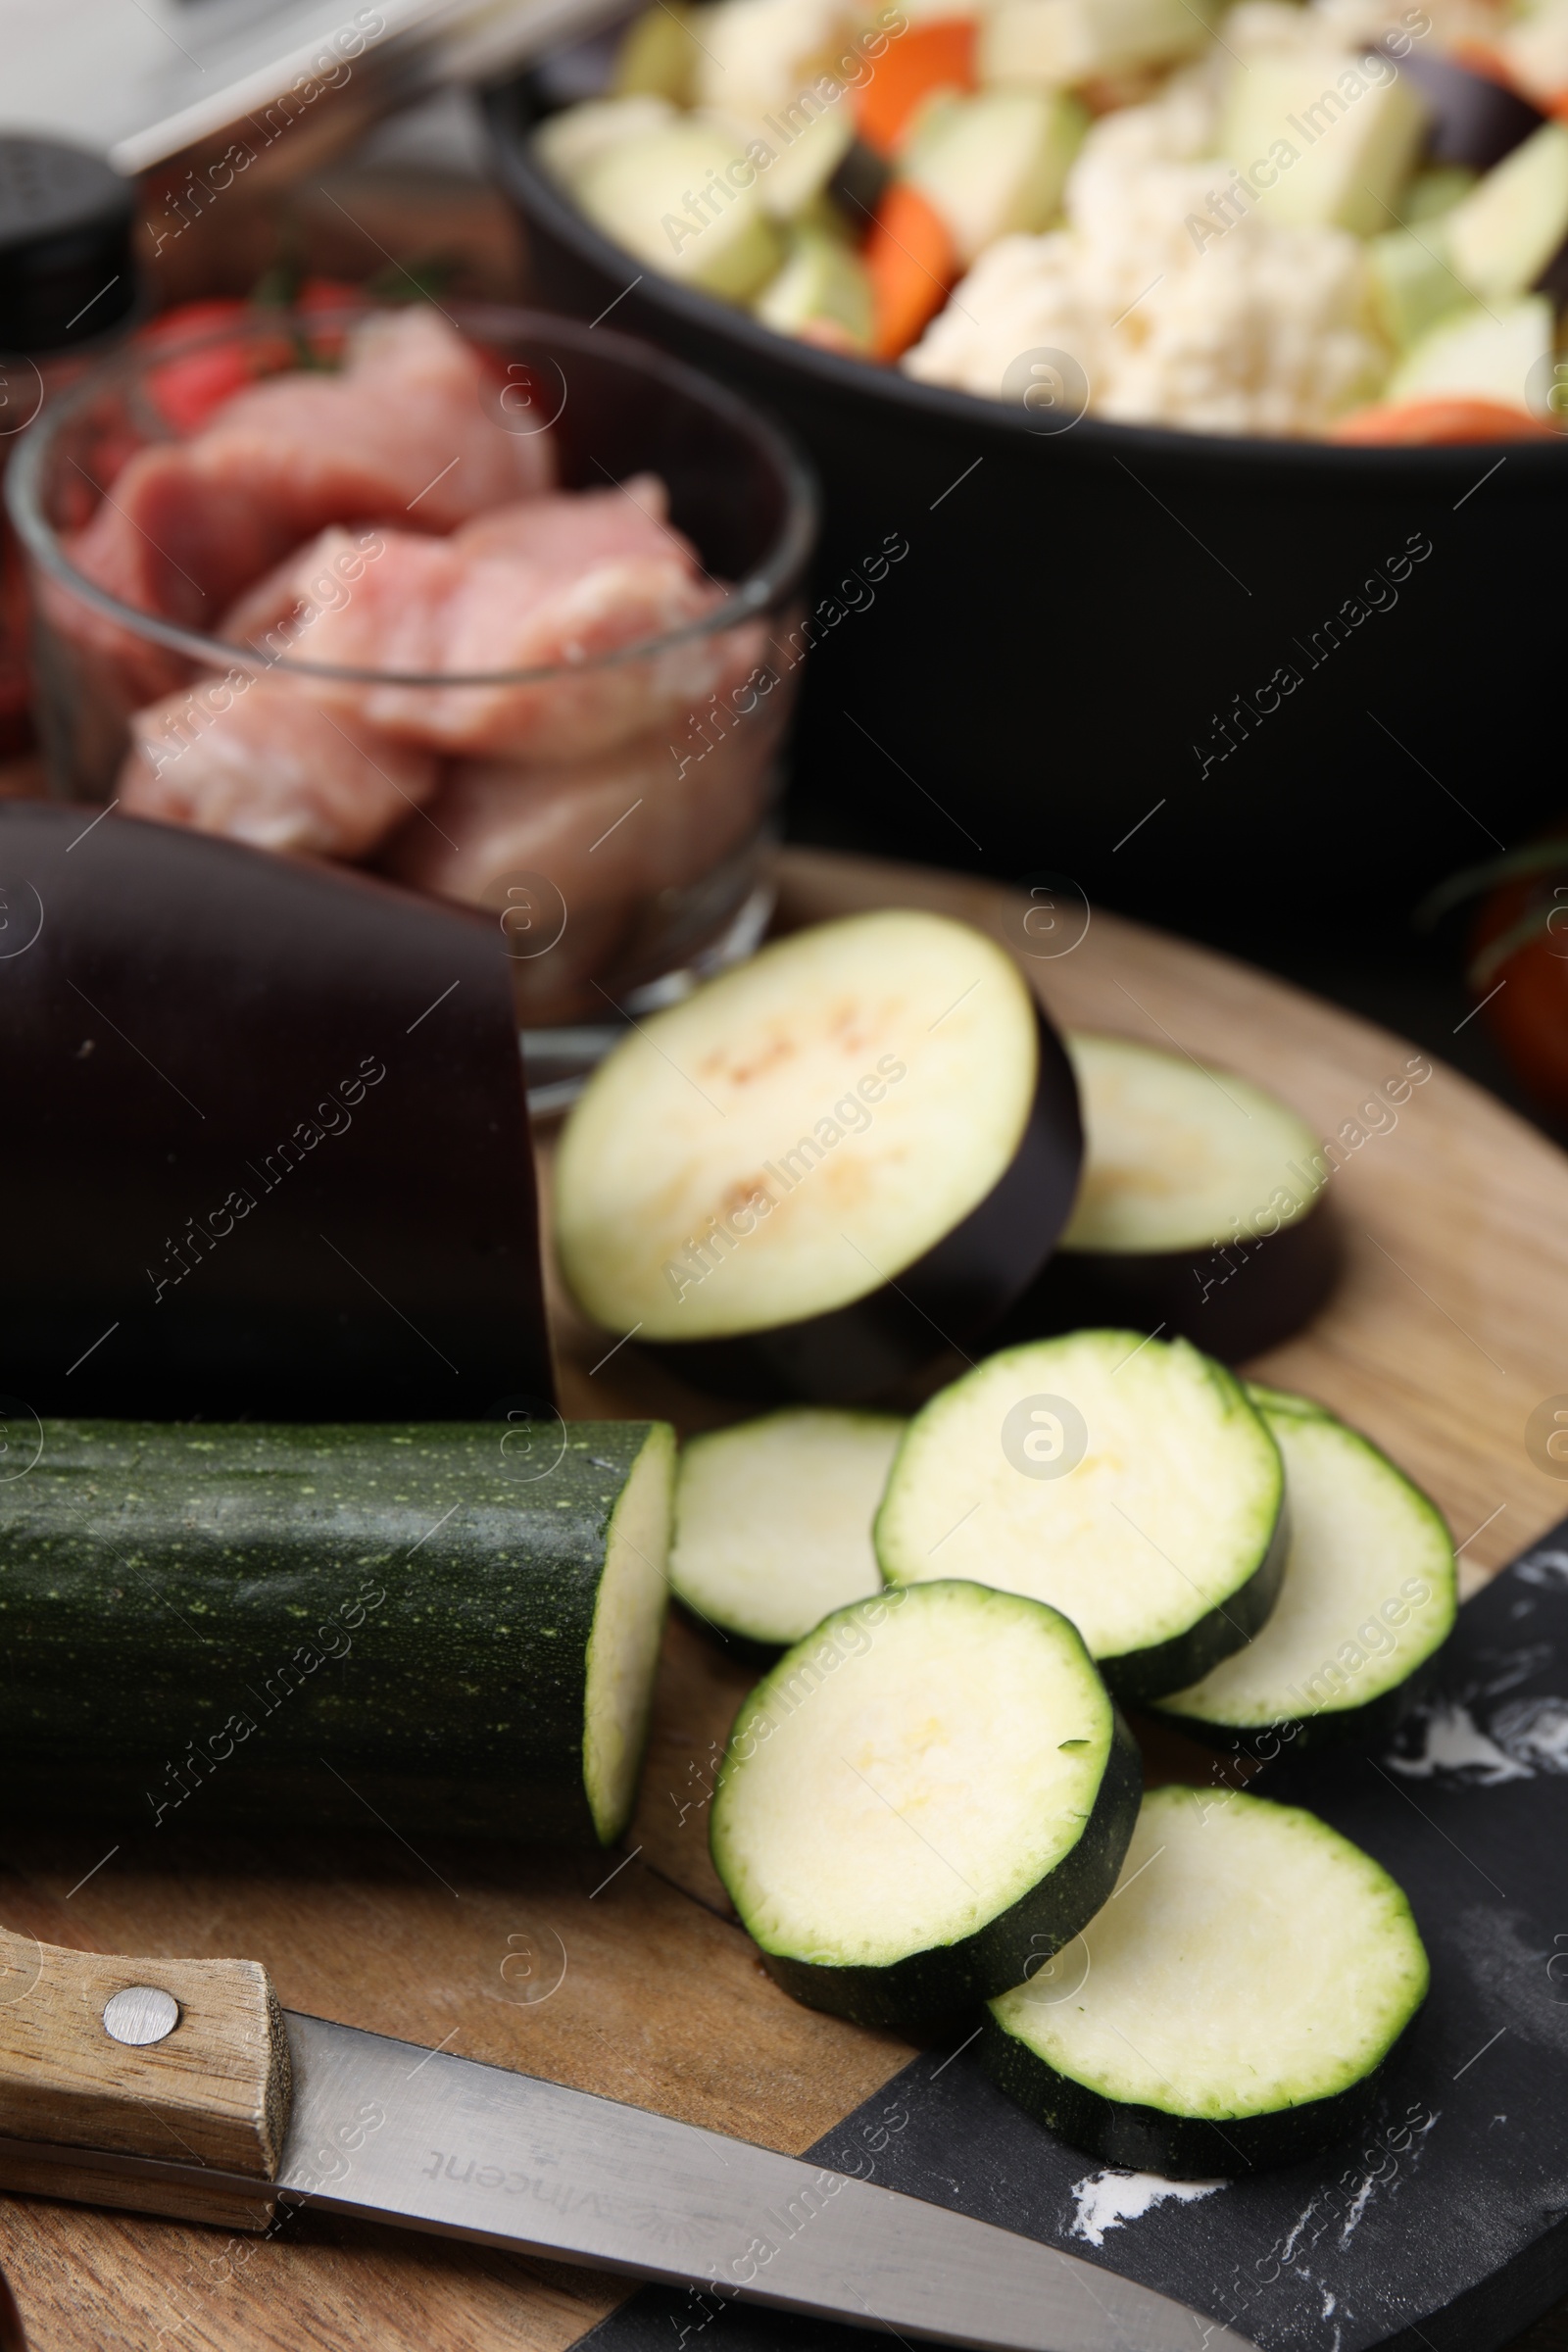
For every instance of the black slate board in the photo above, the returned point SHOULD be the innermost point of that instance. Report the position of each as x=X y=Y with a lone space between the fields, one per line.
x=1444 y=2225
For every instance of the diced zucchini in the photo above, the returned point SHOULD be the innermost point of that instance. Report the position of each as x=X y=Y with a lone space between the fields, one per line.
x=659 y=55
x=1535 y=50
x=1342 y=145
x=1506 y=230
x=570 y=143
x=994 y=162
x=1056 y=44
x=923 y=1802
x=1124 y=1480
x=763 y=56
x=1435 y=192
x=680 y=200
x=802 y=169
x=773 y=1522
x=1369 y=1594
x=1414 y=282
x=822 y=293
x=1486 y=356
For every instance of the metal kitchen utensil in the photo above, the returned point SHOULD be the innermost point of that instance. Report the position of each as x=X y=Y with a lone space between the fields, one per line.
x=178 y=2087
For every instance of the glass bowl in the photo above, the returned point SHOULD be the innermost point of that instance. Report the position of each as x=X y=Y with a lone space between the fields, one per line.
x=612 y=802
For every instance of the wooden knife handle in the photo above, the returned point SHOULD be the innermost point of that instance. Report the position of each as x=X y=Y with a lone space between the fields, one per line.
x=208 y=2085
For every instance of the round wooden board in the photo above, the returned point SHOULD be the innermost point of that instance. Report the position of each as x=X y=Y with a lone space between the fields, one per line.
x=1441 y=1339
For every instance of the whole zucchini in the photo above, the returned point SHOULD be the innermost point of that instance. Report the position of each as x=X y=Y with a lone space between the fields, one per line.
x=314 y=1624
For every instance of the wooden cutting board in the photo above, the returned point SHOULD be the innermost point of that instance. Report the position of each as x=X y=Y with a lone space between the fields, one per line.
x=625 y=1975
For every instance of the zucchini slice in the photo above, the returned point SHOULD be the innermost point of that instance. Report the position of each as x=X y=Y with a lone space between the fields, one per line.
x=1370 y=1591
x=810 y=1175
x=1127 y=1482
x=1245 y=1985
x=451 y=1625
x=922 y=1802
x=773 y=1522
x=1201 y=1209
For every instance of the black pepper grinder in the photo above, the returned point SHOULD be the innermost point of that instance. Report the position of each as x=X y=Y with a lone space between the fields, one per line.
x=68 y=290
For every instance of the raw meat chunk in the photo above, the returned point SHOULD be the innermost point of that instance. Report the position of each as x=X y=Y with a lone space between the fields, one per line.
x=431 y=608
x=567 y=529
x=406 y=430
x=607 y=834
x=403 y=431
x=264 y=762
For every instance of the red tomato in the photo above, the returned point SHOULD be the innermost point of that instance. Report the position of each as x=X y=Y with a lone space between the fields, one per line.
x=189 y=391
x=193 y=318
x=331 y=294
x=1529 y=1013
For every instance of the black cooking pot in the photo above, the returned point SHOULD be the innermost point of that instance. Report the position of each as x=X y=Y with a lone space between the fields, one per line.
x=1194 y=674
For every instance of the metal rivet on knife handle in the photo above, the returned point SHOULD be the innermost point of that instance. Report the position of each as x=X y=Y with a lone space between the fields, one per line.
x=141 y=2014
x=91 y=2058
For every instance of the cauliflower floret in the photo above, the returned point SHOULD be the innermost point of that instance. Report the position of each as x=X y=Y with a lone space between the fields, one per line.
x=1249 y=329
x=1272 y=340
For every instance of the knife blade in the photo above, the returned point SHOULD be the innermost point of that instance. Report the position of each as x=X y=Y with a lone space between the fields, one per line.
x=285 y=2110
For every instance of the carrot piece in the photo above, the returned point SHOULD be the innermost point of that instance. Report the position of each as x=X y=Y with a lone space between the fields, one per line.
x=936 y=56
x=1489 y=64
x=912 y=264
x=1442 y=416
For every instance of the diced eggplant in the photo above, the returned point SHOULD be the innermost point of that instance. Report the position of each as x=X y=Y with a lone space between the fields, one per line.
x=825 y=1165
x=800 y=171
x=1239 y=1998
x=1352 y=149
x=1474 y=120
x=859 y=182
x=1201 y=1210
x=1507 y=233
x=1482 y=354
x=1126 y=1480
x=924 y=1800
x=994 y=163
x=773 y=1523
x=1369 y=1595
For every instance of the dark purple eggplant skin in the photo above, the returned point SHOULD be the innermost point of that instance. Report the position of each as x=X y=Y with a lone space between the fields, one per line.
x=950 y=1297
x=1474 y=120
x=266 y=1151
x=1232 y=1300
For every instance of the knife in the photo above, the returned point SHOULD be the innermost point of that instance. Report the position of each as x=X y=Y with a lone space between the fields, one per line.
x=180 y=2088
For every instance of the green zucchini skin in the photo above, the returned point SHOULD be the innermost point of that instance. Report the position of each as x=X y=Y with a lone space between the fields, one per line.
x=1178 y=2147
x=1138 y=1675
x=1307 y=1734
x=311 y=1625
x=926 y=1988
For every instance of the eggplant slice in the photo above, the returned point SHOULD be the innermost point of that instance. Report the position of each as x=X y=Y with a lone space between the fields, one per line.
x=1239 y=1995
x=826 y=1165
x=1200 y=1214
